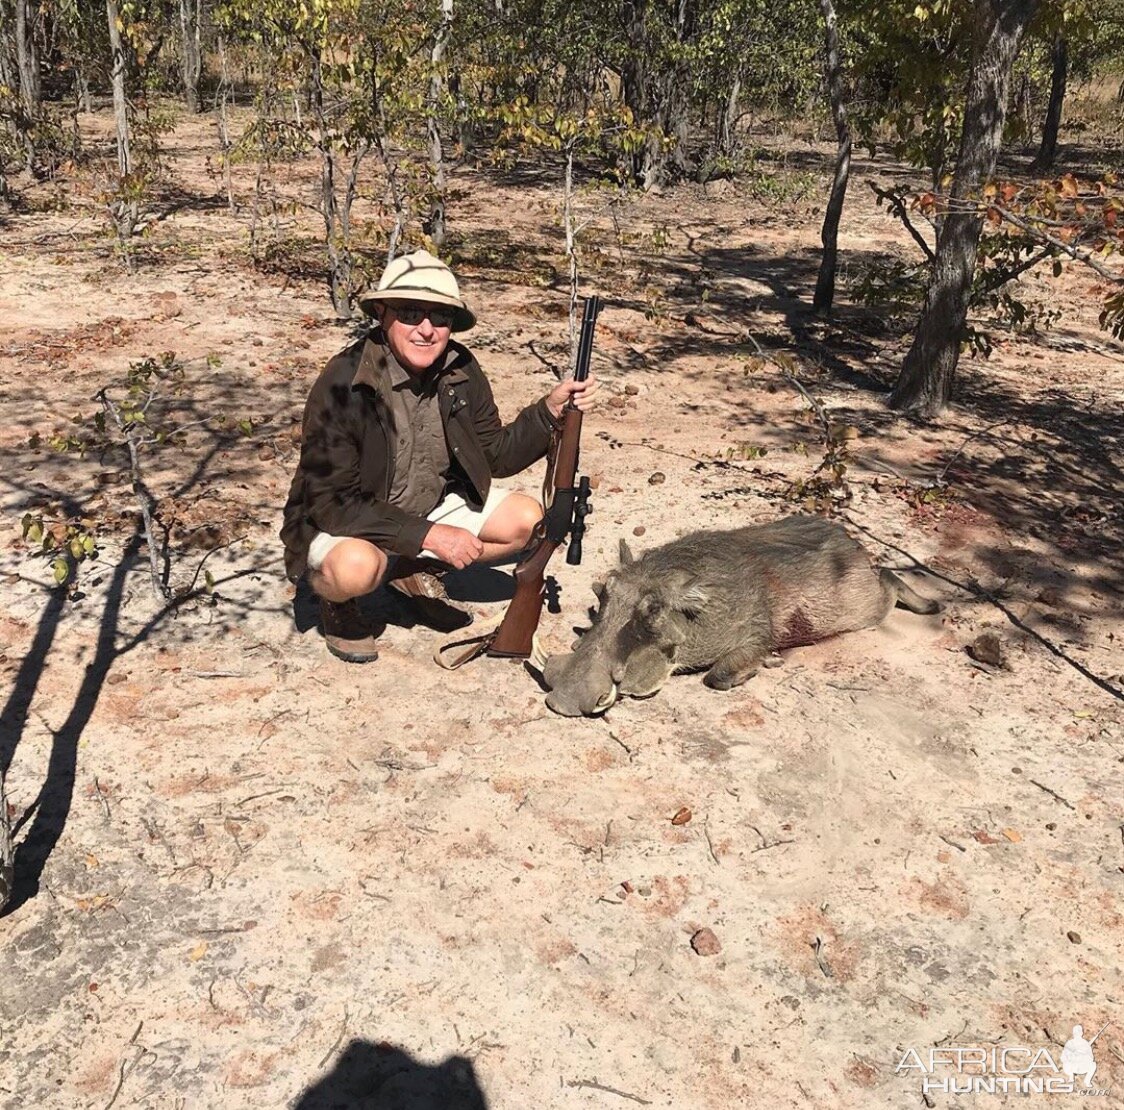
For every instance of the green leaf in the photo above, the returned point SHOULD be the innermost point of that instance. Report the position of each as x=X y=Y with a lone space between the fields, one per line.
x=61 y=570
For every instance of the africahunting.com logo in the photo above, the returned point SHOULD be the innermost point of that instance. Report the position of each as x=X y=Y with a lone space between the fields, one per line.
x=1006 y=1069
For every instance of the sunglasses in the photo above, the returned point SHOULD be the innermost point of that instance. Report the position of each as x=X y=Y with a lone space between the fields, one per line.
x=413 y=314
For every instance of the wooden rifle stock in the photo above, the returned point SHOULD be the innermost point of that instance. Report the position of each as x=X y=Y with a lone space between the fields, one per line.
x=513 y=639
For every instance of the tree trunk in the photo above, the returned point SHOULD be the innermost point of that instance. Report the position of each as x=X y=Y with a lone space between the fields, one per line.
x=7 y=853
x=434 y=224
x=1049 y=147
x=833 y=67
x=27 y=59
x=191 y=56
x=339 y=249
x=729 y=115
x=636 y=91
x=925 y=383
x=222 y=94
x=126 y=209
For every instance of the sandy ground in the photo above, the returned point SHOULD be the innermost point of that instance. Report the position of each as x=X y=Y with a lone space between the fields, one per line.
x=255 y=876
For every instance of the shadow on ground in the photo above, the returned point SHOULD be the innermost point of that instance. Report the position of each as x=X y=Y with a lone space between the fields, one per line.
x=369 y=1076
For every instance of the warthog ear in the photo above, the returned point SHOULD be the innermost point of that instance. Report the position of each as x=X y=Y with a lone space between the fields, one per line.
x=685 y=593
x=626 y=554
x=599 y=591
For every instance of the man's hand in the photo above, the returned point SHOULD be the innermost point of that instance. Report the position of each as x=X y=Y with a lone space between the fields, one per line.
x=581 y=392
x=455 y=546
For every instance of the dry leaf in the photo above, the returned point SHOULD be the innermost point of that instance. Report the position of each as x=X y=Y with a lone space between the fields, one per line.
x=1012 y=836
x=682 y=816
x=198 y=952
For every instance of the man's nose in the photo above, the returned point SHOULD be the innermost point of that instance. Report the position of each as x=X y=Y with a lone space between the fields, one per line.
x=425 y=326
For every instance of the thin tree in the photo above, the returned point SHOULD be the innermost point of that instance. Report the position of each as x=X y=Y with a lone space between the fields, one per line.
x=925 y=383
x=833 y=71
x=191 y=53
x=434 y=223
x=1058 y=77
x=126 y=208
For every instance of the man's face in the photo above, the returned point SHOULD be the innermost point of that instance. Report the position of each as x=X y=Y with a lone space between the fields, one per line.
x=417 y=333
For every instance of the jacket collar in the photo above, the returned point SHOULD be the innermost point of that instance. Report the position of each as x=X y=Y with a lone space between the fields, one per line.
x=375 y=360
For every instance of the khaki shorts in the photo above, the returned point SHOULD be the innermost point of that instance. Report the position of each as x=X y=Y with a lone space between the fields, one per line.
x=453 y=510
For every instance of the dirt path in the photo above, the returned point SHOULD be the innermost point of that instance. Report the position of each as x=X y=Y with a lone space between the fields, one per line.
x=271 y=879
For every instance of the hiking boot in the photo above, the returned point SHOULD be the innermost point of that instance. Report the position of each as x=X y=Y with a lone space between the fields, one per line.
x=347 y=634
x=426 y=593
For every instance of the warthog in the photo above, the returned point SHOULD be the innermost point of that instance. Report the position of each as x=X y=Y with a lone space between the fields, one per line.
x=721 y=601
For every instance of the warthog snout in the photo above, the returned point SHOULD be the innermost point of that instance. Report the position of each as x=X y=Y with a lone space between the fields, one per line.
x=577 y=691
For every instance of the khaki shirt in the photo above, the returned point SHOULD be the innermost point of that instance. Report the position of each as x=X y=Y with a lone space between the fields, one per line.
x=421 y=455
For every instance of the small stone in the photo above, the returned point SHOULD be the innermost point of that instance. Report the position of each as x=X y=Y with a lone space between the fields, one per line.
x=617 y=402
x=258 y=341
x=639 y=530
x=705 y=943
x=1074 y=938
x=632 y=390
x=657 y=479
x=1050 y=596
x=682 y=816
x=987 y=648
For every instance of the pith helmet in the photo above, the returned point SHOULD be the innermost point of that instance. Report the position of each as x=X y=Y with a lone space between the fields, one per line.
x=420 y=277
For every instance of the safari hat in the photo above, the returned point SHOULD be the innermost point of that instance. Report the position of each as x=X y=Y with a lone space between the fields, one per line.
x=420 y=277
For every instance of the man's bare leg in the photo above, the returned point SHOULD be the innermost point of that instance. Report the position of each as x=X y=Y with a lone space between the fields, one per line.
x=351 y=569
x=508 y=530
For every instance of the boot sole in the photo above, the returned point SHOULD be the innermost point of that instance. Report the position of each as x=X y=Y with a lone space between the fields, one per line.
x=352 y=656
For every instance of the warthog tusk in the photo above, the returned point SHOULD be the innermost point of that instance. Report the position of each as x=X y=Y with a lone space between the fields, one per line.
x=608 y=700
x=538 y=653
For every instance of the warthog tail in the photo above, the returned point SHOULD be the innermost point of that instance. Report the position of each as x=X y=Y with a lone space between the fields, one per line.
x=906 y=596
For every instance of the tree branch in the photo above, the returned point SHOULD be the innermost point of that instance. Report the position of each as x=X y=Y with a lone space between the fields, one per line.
x=897 y=208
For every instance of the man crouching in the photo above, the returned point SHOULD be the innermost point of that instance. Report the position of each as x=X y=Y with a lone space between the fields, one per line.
x=400 y=442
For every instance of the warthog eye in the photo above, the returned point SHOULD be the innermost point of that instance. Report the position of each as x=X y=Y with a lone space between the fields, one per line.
x=650 y=608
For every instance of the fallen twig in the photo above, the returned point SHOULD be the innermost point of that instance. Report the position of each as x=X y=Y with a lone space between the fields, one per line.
x=336 y=1043
x=825 y=967
x=956 y=454
x=123 y=1071
x=593 y=1085
x=709 y=842
x=1052 y=793
x=979 y=591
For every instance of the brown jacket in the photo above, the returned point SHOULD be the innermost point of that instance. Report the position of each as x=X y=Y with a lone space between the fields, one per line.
x=346 y=465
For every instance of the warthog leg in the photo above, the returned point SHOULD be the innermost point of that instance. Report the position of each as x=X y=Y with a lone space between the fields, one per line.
x=734 y=668
x=898 y=591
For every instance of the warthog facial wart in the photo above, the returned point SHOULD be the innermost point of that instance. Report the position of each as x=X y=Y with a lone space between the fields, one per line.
x=721 y=602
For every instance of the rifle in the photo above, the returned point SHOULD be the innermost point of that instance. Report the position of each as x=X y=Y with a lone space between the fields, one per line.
x=566 y=501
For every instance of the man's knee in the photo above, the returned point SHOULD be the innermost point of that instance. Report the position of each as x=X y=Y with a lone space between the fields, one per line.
x=525 y=516
x=352 y=568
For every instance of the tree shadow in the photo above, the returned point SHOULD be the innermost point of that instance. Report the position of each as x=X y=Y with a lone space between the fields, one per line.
x=378 y=1076
x=218 y=461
